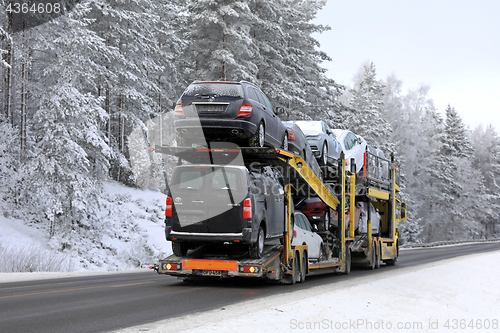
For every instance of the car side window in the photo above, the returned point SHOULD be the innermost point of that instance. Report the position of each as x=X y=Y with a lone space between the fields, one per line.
x=260 y=97
x=279 y=178
x=252 y=94
x=307 y=224
x=347 y=142
x=299 y=222
x=267 y=103
x=353 y=139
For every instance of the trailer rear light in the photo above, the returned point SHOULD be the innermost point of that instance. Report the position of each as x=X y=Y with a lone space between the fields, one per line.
x=245 y=110
x=172 y=267
x=249 y=269
x=168 y=209
x=247 y=209
x=178 y=110
x=291 y=135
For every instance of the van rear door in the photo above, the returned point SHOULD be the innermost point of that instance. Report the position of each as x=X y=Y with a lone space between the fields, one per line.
x=226 y=190
x=188 y=194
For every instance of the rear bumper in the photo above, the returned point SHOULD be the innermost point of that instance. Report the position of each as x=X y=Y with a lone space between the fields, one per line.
x=215 y=129
x=244 y=237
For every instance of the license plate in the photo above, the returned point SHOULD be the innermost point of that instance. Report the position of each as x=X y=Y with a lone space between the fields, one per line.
x=209 y=272
x=210 y=107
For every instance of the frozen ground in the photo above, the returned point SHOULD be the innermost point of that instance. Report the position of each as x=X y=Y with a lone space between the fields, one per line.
x=131 y=235
x=460 y=294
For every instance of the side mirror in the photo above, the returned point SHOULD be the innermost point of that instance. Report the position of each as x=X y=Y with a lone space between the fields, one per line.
x=279 y=110
x=314 y=228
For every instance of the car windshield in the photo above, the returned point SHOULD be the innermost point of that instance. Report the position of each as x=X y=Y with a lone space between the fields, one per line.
x=310 y=127
x=214 y=89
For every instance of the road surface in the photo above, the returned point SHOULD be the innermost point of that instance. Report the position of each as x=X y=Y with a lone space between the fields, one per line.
x=109 y=302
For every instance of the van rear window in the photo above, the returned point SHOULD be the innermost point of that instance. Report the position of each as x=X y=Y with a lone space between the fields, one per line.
x=190 y=180
x=219 y=183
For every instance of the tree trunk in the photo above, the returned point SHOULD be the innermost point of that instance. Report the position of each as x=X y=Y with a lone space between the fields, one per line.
x=8 y=58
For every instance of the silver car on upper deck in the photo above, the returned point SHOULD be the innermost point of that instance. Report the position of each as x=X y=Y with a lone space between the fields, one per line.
x=322 y=140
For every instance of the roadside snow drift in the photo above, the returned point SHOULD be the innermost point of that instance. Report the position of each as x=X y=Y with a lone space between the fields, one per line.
x=460 y=294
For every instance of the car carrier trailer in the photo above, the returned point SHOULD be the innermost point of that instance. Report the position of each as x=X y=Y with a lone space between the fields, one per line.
x=280 y=262
x=368 y=249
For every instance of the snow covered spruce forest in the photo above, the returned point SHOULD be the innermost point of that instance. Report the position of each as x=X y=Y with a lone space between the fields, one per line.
x=75 y=88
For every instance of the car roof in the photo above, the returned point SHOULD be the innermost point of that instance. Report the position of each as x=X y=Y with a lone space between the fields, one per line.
x=340 y=132
x=226 y=82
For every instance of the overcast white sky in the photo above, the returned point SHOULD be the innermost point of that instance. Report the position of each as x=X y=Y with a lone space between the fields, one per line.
x=453 y=46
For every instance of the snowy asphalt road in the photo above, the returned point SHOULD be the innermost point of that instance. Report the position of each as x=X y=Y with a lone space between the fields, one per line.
x=109 y=302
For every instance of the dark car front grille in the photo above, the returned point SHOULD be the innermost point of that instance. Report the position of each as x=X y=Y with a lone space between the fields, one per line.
x=210 y=107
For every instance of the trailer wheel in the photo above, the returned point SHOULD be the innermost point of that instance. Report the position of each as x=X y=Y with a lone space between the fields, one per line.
x=378 y=254
x=296 y=268
x=292 y=279
x=180 y=249
x=347 y=262
x=303 y=271
x=256 y=249
x=373 y=258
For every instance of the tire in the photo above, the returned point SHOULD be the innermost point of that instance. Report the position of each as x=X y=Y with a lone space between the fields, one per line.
x=258 y=139
x=325 y=224
x=324 y=155
x=347 y=263
x=179 y=248
x=303 y=271
x=284 y=142
x=373 y=258
x=378 y=254
x=296 y=267
x=256 y=249
x=392 y=262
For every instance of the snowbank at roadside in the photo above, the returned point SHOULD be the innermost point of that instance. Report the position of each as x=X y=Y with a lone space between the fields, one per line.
x=459 y=294
x=128 y=234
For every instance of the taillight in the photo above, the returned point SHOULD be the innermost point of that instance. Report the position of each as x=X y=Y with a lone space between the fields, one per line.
x=178 y=110
x=249 y=269
x=247 y=209
x=294 y=234
x=172 y=267
x=168 y=210
x=291 y=135
x=245 y=110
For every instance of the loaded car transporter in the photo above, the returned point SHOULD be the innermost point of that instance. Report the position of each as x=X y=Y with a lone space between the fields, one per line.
x=283 y=262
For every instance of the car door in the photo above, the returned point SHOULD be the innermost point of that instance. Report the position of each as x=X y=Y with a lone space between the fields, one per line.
x=275 y=202
x=300 y=236
x=189 y=195
x=273 y=122
x=355 y=150
x=333 y=149
x=226 y=189
x=311 y=241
